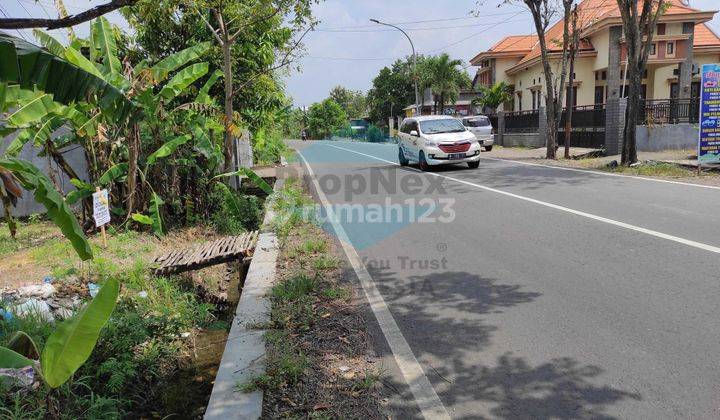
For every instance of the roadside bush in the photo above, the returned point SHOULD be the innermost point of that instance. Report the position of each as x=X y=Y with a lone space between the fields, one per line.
x=234 y=213
x=140 y=349
x=375 y=134
x=268 y=146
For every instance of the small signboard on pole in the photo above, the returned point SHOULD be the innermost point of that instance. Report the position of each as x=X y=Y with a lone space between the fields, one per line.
x=709 y=141
x=101 y=211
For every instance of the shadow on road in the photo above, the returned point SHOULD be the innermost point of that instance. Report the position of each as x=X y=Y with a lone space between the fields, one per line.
x=443 y=316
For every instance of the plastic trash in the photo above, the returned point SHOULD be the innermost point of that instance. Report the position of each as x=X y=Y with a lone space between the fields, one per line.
x=93 y=289
x=43 y=291
x=143 y=294
x=35 y=307
x=48 y=279
x=6 y=315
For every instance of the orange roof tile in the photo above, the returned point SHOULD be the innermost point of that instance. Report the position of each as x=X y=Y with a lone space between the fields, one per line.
x=591 y=11
x=705 y=37
x=515 y=43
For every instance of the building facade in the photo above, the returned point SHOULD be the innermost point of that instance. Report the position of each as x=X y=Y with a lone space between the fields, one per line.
x=681 y=44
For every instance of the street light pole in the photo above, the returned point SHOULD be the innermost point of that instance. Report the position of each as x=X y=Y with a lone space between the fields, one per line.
x=417 y=96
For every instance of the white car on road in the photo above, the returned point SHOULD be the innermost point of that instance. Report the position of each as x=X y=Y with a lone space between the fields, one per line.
x=481 y=127
x=437 y=140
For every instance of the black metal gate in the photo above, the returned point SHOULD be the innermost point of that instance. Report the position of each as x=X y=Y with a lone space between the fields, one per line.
x=588 y=127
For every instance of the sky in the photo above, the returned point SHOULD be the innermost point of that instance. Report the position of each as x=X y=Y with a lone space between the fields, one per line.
x=347 y=49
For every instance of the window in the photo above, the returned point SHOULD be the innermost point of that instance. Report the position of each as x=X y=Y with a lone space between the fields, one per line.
x=661 y=29
x=604 y=75
x=480 y=121
x=670 y=48
x=653 y=49
x=599 y=94
x=448 y=125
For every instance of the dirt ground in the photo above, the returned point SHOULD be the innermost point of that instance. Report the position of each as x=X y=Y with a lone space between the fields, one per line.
x=343 y=378
x=40 y=250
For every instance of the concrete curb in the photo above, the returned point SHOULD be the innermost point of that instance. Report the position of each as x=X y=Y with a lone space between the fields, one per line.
x=244 y=355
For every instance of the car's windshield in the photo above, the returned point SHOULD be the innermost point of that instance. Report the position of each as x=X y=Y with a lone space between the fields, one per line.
x=476 y=122
x=441 y=126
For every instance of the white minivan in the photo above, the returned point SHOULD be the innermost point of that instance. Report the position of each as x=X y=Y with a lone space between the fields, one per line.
x=481 y=127
x=437 y=140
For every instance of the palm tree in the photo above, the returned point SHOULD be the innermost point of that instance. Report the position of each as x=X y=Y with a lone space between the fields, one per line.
x=493 y=96
x=444 y=78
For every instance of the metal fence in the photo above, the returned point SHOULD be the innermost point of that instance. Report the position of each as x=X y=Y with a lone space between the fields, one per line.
x=588 y=127
x=669 y=111
x=522 y=121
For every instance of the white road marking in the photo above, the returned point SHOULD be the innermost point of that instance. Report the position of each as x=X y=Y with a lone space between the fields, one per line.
x=590 y=171
x=423 y=392
x=617 y=223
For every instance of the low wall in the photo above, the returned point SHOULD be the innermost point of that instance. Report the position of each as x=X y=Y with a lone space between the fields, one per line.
x=663 y=137
x=520 y=140
x=73 y=154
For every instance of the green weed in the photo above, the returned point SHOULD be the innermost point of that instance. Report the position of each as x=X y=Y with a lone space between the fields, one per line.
x=325 y=262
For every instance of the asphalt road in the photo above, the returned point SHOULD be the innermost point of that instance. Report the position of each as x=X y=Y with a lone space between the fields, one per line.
x=548 y=294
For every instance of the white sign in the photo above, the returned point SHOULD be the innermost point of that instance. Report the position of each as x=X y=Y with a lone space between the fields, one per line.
x=101 y=208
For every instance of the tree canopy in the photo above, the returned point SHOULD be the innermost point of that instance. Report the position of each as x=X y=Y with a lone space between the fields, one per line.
x=324 y=118
x=353 y=102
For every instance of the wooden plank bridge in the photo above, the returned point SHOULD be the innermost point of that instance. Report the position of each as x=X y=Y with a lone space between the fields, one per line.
x=222 y=250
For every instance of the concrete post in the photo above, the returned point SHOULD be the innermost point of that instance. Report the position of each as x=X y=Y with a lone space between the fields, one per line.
x=614 y=71
x=614 y=125
x=500 y=128
x=542 y=127
x=685 y=68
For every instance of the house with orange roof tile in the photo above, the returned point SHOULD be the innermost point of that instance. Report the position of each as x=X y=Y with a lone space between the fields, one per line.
x=681 y=44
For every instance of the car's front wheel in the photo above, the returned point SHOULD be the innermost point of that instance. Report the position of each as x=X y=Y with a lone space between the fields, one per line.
x=423 y=163
x=474 y=165
x=488 y=148
x=401 y=157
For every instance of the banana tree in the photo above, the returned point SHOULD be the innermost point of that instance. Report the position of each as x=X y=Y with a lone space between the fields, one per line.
x=110 y=142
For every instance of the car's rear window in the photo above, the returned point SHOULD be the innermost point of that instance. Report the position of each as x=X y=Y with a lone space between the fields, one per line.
x=477 y=122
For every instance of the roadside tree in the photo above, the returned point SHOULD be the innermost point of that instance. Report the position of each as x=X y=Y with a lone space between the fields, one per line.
x=639 y=27
x=324 y=118
x=353 y=102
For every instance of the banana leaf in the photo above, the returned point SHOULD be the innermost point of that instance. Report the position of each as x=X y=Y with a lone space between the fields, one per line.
x=164 y=67
x=32 y=111
x=31 y=67
x=15 y=146
x=115 y=172
x=49 y=42
x=183 y=79
x=83 y=190
x=141 y=218
x=21 y=343
x=103 y=39
x=203 y=96
x=168 y=148
x=70 y=345
x=254 y=178
x=155 y=203
x=13 y=360
x=58 y=210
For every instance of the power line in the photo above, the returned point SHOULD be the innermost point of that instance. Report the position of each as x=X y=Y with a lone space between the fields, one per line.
x=435 y=28
x=351 y=58
x=4 y=13
x=420 y=21
x=474 y=35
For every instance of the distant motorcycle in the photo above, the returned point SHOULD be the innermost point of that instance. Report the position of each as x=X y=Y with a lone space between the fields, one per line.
x=303 y=135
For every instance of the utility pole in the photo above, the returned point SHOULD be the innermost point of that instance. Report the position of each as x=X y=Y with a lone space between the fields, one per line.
x=415 y=75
